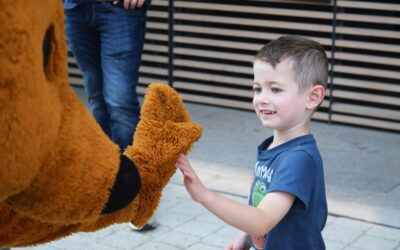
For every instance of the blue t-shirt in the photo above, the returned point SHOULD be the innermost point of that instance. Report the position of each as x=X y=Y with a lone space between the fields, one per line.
x=294 y=167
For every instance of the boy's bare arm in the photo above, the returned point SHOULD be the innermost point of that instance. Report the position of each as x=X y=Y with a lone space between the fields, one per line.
x=256 y=221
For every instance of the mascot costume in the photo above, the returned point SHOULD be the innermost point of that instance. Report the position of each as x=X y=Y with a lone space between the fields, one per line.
x=59 y=173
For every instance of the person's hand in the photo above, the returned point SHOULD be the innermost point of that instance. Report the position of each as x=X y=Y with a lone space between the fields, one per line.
x=239 y=243
x=131 y=4
x=193 y=185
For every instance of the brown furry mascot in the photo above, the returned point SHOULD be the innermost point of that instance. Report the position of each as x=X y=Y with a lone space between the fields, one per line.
x=59 y=173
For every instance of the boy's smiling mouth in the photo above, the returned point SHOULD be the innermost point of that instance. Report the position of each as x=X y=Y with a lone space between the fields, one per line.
x=267 y=112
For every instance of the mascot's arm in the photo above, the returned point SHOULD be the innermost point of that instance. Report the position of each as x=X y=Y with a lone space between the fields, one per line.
x=126 y=186
x=162 y=134
x=75 y=184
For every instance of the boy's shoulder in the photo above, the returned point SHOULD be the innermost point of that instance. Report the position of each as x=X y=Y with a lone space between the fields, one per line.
x=303 y=146
x=302 y=149
x=301 y=143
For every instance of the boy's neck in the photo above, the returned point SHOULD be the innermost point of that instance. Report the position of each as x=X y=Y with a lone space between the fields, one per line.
x=281 y=137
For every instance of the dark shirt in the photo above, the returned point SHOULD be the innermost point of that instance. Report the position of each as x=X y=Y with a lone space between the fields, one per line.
x=294 y=167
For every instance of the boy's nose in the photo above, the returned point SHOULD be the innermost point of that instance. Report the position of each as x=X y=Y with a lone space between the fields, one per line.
x=263 y=97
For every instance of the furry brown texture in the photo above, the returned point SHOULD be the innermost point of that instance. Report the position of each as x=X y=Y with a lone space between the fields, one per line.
x=56 y=164
x=171 y=133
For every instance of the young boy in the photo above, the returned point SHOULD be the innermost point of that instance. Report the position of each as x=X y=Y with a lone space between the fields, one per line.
x=287 y=204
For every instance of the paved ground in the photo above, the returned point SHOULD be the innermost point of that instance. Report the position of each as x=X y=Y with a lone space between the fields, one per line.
x=362 y=171
x=184 y=224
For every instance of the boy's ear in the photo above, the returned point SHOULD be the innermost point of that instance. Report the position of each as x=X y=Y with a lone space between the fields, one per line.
x=315 y=97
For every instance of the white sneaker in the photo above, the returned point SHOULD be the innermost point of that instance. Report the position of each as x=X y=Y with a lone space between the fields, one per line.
x=150 y=225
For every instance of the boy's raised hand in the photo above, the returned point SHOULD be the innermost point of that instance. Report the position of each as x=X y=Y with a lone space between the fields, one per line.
x=193 y=184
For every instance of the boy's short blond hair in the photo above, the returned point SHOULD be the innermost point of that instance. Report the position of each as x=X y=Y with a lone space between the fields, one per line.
x=309 y=61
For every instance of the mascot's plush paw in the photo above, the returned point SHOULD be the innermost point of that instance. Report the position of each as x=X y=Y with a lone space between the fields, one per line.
x=161 y=136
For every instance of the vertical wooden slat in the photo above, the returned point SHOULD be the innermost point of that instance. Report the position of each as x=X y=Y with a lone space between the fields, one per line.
x=367 y=71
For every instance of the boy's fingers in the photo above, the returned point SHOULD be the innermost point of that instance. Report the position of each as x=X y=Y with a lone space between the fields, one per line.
x=184 y=171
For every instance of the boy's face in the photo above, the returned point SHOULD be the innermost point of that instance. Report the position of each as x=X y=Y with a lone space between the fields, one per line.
x=277 y=100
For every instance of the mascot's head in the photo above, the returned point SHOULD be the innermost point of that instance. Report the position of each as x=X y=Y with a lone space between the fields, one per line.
x=57 y=167
x=33 y=77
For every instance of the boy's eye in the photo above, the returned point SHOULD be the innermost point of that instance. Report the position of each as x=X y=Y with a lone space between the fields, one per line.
x=275 y=90
x=256 y=89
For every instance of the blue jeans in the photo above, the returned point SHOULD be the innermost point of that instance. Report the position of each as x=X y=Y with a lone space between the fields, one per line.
x=107 y=43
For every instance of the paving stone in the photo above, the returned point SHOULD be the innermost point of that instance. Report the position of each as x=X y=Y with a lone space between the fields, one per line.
x=108 y=231
x=334 y=245
x=209 y=217
x=100 y=246
x=166 y=203
x=176 y=192
x=178 y=239
x=367 y=242
x=172 y=219
x=198 y=228
x=217 y=239
x=41 y=247
x=126 y=239
x=229 y=231
x=157 y=245
x=352 y=223
x=341 y=233
x=385 y=232
x=75 y=241
x=189 y=207
x=202 y=246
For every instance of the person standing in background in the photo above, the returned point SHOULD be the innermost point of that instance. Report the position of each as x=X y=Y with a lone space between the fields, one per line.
x=106 y=38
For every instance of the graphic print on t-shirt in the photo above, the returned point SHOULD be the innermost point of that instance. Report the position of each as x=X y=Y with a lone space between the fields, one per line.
x=259 y=191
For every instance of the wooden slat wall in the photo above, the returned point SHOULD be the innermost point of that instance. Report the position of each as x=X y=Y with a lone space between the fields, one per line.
x=154 y=67
x=215 y=42
x=366 y=82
